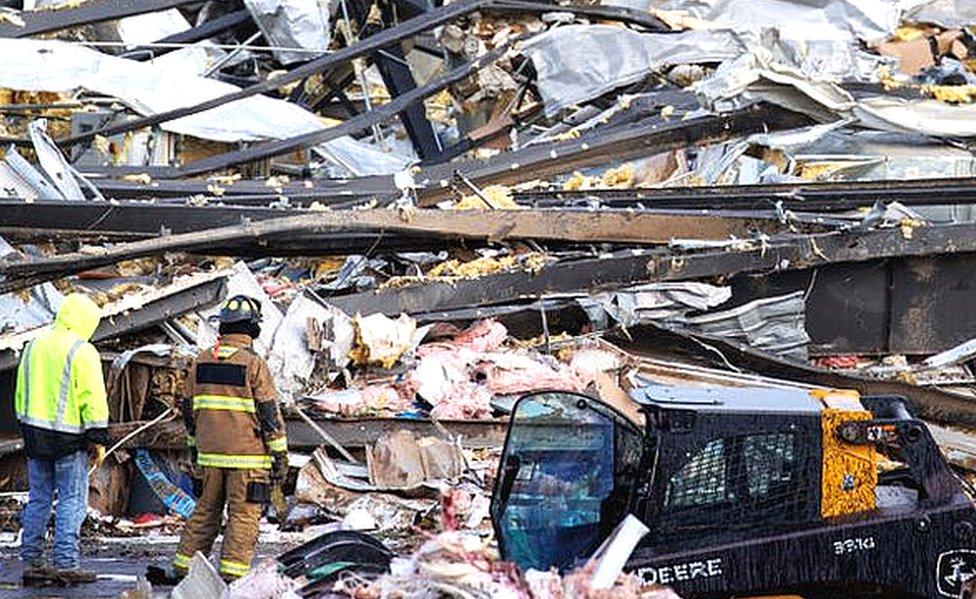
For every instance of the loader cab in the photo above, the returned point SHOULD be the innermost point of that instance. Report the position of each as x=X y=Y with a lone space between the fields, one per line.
x=727 y=460
x=705 y=462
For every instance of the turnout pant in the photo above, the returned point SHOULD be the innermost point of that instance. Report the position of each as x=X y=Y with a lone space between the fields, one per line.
x=223 y=486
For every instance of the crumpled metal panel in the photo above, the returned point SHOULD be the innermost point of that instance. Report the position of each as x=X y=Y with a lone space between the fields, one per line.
x=580 y=62
x=18 y=313
x=799 y=91
x=923 y=116
x=774 y=324
x=732 y=84
x=49 y=65
x=53 y=162
x=13 y=186
x=830 y=58
x=291 y=361
x=951 y=14
x=882 y=155
x=823 y=38
x=868 y=20
x=19 y=179
x=293 y=24
x=652 y=302
x=150 y=27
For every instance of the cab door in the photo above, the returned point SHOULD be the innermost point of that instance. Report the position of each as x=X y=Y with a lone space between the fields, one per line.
x=564 y=479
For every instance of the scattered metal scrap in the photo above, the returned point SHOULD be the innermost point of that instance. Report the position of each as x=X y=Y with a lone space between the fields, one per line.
x=372 y=43
x=442 y=207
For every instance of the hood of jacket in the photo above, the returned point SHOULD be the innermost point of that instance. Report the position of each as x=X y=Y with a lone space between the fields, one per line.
x=78 y=314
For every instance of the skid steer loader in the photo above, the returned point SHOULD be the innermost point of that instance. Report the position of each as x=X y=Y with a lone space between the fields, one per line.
x=746 y=492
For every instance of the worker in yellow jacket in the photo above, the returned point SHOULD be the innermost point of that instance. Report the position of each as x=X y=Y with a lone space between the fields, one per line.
x=63 y=412
x=235 y=428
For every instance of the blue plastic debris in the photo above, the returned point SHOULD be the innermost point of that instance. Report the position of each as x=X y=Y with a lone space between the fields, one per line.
x=174 y=498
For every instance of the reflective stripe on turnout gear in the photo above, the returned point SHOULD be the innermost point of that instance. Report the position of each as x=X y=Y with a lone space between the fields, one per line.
x=278 y=445
x=222 y=460
x=223 y=402
x=232 y=568
x=182 y=561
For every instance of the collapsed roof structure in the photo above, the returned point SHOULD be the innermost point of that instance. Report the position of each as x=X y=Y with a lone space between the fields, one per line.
x=442 y=205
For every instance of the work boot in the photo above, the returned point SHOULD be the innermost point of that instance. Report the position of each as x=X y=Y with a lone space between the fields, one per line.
x=37 y=574
x=162 y=577
x=75 y=576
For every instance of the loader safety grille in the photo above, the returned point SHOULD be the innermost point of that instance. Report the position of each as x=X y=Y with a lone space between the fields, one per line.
x=702 y=481
x=738 y=481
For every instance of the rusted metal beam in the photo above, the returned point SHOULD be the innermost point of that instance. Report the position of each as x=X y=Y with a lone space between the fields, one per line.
x=830 y=196
x=635 y=267
x=560 y=225
x=141 y=220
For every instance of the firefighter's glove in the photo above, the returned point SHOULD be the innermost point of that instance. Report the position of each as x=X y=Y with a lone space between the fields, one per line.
x=98 y=454
x=279 y=464
x=196 y=485
x=196 y=477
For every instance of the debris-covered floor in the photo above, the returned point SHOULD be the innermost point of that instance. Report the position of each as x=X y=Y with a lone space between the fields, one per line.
x=119 y=564
x=628 y=211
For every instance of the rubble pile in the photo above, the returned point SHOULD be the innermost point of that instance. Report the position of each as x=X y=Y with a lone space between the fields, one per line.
x=446 y=207
x=452 y=563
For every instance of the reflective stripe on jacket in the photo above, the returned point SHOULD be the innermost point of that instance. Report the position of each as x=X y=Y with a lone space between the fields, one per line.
x=60 y=386
x=232 y=407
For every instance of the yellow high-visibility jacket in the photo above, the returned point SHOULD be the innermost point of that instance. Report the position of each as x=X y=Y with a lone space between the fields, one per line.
x=60 y=397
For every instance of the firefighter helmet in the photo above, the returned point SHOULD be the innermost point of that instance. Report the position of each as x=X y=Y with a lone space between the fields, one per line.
x=240 y=308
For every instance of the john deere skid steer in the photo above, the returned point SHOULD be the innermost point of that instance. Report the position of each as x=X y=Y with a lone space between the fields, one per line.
x=746 y=492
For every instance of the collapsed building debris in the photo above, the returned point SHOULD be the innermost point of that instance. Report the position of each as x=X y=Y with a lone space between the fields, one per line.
x=452 y=212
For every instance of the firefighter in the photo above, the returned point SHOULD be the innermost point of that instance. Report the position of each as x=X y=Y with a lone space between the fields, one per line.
x=63 y=413
x=235 y=429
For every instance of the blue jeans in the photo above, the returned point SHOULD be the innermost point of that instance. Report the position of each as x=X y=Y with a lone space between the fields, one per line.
x=69 y=475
